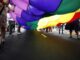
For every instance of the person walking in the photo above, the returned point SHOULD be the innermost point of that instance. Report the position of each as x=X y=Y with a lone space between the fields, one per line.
x=11 y=24
x=2 y=23
x=61 y=29
x=19 y=29
x=73 y=26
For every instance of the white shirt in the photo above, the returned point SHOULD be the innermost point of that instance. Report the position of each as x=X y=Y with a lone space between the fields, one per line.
x=9 y=18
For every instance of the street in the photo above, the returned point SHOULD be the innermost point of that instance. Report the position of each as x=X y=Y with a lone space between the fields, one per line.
x=33 y=45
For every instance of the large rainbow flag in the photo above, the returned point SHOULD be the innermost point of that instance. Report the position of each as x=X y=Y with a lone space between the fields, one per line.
x=38 y=14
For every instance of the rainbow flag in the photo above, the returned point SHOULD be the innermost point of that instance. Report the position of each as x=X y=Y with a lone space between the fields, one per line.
x=38 y=14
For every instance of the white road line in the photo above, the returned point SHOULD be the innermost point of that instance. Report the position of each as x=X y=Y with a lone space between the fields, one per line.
x=44 y=35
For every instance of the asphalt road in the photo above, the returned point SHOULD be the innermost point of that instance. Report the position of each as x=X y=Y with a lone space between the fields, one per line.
x=33 y=45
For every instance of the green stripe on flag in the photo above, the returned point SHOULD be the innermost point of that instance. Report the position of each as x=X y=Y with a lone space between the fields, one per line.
x=33 y=25
x=68 y=6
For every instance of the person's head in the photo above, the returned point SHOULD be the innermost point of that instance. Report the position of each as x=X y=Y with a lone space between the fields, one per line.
x=6 y=2
x=11 y=7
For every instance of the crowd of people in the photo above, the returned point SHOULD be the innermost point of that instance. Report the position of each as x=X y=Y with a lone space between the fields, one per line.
x=71 y=26
x=7 y=24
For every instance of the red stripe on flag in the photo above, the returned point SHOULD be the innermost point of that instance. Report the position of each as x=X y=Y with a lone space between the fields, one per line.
x=75 y=17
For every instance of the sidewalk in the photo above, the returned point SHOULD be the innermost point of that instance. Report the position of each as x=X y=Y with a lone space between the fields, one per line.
x=65 y=34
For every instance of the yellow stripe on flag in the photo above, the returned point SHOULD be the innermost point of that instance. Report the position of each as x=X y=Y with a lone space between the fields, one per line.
x=56 y=19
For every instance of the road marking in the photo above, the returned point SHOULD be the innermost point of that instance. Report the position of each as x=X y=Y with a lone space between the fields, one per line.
x=44 y=35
